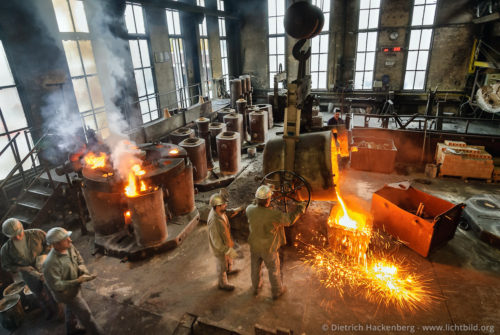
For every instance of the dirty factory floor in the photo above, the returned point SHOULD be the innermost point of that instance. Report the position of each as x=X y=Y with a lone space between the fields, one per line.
x=151 y=296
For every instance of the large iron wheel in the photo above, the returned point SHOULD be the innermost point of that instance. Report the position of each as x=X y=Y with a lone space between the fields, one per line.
x=289 y=188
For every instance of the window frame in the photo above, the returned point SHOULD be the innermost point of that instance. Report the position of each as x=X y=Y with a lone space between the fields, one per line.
x=278 y=37
x=319 y=53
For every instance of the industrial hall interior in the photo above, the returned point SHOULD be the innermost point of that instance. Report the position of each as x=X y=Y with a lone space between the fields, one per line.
x=249 y=167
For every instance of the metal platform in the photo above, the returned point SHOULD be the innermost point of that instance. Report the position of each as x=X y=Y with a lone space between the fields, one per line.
x=482 y=213
x=123 y=245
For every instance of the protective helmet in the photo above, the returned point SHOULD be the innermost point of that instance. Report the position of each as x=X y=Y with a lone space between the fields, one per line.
x=263 y=192
x=57 y=234
x=217 y=200
x=12 y=227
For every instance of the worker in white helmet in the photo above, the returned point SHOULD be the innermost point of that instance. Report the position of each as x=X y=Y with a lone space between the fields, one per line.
x=267 y=235
x=220 y=240
x=24 y=253
x=64 y=273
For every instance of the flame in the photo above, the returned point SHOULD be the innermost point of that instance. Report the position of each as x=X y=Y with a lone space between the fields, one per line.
x=131 y=187
x=346 y=217
x=94 y=162
x=174 y=151
x=127 y=214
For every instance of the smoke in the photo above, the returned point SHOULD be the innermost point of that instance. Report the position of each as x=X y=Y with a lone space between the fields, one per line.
x=124 y=156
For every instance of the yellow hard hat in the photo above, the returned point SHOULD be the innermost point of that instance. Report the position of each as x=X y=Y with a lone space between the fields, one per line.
x=263 y=192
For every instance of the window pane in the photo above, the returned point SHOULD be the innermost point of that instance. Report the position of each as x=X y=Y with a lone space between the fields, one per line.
x=5 y=73
x=281 y=60
x=358 y=80
x=375 y=4
x=81 y=94
x=102 y=120
x=280 y=28
x=139 y=80
x=361 y=42
x=373 y=23
x=129 y=19
x=152 y=103
x=425 y=42
x=7 y=162
x=418 y=13
x=315 y=44
x=419 y=2
x=281 y=45
x=314 y=62
x=144 y=106
x=87 y=57
x=272 y=25
x=12 y=110
x=372 y=41
x=324 y=43
x=154 y=114
x=146 y=118
x=272 y=45
x=170 y=22
x=322 y=80
x=89 y=122
x=272 y=64
x=79 y=17
x=409 y=77
x=414 y=39
x=95 y=91
x=363 y=19
x=326 y=25
x=419 y=80
x=73 y=58
x=364 y=4
x=139 y=20
x=314 y=80
x=280 y=7
x=63 y=16
x=367 y=83
x=370 y=61
x=271 y=7
x=143 y=44
x=148 y=76
x=177 y=24
x=422 y=60
x=429 y=14
x=134 y=52
x=360 y=61
x=323 y=62
x=411 y=62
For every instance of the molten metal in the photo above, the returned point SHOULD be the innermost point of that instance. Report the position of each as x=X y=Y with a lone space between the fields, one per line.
x=92 y=161
x=131 y=187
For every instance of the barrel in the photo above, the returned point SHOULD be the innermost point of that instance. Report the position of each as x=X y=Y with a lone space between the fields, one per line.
x=315 y=160
x=258 y=126
x=202 y=124
x=229 y=149
x=11 y=311
x=269 y=109
x=180 y=188
x=178 y=135
x=223 y=112
x=236 y=91
x=234 y=122
x=148 y=218
x=195 y=148
x=105 y=209
x=215 y=129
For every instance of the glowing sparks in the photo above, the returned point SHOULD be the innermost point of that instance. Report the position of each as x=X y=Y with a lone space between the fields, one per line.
x=94 y=161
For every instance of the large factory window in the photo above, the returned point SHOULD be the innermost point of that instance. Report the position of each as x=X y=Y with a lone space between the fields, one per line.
x=205 y=60
x=420 y=43
x=223 y=44
x=369 y=11
x=276 y=13
x=72 y=23
x=178 y=62
x=319 y=50
x=141 y=60
x=13 y=119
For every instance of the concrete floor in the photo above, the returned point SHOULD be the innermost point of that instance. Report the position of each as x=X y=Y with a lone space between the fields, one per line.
x=152 y=295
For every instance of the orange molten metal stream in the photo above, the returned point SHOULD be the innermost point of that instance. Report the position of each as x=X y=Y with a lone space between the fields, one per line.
x=93 y=161
x=131 y=188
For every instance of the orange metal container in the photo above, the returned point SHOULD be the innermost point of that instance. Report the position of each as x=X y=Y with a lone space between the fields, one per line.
x=394 y=209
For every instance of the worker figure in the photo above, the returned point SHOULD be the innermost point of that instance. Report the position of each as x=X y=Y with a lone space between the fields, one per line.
x=220 y=240
x=267 y=235
x=64 y=273
x=25 y=252
x=336 y=119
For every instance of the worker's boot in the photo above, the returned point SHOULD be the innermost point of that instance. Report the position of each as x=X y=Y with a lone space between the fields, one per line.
x=276 y=296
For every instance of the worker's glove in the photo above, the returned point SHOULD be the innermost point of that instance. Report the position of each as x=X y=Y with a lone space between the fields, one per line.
x=232 y=253
x=85 y=278
x=236 y=211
